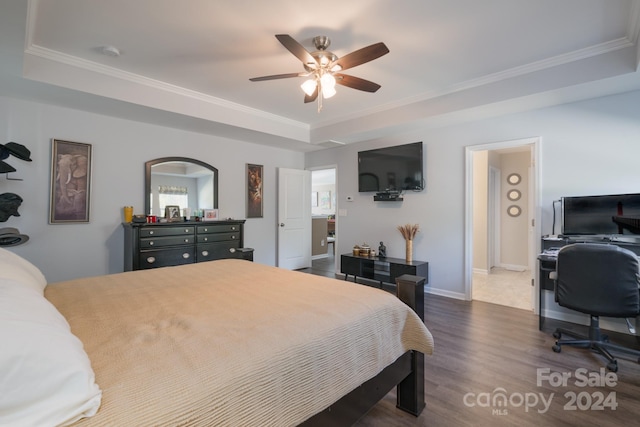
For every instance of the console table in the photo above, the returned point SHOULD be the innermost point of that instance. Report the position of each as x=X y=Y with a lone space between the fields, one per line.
x=175 y=243
x=383 y=270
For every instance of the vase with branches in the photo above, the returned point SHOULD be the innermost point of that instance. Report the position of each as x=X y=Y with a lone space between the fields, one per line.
x=409 y=231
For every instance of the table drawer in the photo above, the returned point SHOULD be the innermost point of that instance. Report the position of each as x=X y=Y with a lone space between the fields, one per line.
x=166 y=257
x=158 y=242
x=218 y=237
x=166 y=231
x=218 y=228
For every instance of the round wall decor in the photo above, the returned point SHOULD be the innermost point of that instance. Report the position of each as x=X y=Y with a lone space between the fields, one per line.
x=514 y=195
x=514 y=210
x=514 y=178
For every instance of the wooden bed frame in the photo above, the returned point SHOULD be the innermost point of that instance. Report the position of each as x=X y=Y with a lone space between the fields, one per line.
x=406 y=374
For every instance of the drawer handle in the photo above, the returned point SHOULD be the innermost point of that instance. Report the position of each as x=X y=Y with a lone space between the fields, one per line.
x=232 y=250
x=233 y=237
x=151 y=243
x=205 y=253
x=186 y=240
x=186 y=230
x=233 y=228
x=185 y=255
x=150 y=232
x=206 y=239
x=151 y=259
x=206 y=229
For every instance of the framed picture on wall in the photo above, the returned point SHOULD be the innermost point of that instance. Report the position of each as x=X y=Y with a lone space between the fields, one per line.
x=254 y=191
x=69 y=201
x=325 y=199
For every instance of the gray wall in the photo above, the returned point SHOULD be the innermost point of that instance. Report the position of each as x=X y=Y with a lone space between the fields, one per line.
x=120 y=148
x=589 y=147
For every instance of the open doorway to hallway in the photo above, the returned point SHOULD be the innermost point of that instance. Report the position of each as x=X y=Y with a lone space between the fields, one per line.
x=503 y=191
x=323 y=214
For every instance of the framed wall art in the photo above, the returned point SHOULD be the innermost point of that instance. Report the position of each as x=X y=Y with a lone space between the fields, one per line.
x=70 y=182
x=254 y=191
x=324 y=199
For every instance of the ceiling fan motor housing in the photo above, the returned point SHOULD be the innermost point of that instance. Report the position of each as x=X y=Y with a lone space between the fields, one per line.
x=322 y=56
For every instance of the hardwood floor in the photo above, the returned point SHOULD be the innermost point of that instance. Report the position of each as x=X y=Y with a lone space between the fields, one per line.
x=484 y=349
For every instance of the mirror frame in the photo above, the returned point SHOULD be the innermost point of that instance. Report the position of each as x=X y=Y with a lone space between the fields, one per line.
x=147 y=177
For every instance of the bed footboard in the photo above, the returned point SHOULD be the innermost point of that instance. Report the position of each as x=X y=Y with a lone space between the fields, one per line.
x=406 y=373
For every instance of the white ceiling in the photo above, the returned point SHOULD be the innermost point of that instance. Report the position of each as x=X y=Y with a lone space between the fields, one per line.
x=187 y=63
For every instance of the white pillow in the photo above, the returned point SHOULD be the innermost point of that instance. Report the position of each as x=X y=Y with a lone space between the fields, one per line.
x=46 y=377
x=15 y=268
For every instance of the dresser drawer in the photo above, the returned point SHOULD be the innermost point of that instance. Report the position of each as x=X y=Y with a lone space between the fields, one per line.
x=218 y=237
x=166 y=231
x=158 y=242
x=218 y=228
x=211 y=251
x=167 y=257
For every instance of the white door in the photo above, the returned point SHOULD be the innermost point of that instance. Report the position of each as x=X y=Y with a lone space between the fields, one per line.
x=294 y=218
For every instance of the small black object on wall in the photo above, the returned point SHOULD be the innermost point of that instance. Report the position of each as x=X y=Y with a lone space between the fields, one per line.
x=12 y=237
x=10 y=202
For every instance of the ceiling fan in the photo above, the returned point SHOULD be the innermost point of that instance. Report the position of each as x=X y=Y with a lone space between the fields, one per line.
x=323 y=67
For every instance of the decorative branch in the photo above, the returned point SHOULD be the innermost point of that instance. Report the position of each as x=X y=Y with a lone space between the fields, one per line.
x=409 y=231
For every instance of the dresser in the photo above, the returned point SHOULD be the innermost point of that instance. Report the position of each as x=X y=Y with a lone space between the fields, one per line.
x=175 y=243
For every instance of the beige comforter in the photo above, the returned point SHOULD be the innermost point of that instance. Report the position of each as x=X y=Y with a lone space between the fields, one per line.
x=231 y=342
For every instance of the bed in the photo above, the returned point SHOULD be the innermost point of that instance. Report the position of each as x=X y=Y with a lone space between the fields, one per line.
x=224 y=343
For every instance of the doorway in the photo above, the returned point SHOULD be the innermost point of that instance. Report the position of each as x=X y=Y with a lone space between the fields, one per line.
x=323 y=213
x=501 y=227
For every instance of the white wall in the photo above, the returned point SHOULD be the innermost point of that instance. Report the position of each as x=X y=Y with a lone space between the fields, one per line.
x=120 y=148
x=589 y=147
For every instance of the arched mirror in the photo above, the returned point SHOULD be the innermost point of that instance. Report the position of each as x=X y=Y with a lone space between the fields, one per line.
x=179 y=181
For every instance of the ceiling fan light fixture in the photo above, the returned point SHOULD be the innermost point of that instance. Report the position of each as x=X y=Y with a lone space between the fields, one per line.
x=309 y=86
x=328 y=85
x=328 y=91
x=328 y=80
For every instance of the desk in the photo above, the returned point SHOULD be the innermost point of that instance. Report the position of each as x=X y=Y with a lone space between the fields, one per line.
x=547 y=260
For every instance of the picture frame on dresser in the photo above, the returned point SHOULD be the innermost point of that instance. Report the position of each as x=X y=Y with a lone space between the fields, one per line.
x=70 y=196
x=210 y=215
x=172 y=213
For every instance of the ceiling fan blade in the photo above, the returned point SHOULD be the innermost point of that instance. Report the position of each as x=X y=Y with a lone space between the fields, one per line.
x=356 y=83
x=278 y=76
x=312 y=97
x=361 y=56
x=296 y=48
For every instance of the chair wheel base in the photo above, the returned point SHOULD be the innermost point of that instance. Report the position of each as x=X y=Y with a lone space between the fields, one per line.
x=612 y=366
x=557 y=335
x=556 y=348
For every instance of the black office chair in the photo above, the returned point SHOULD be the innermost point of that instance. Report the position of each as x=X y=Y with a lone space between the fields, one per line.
x=599 y=280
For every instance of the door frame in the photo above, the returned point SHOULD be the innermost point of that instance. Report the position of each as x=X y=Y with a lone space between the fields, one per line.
x=335 y=168
x=534 y=215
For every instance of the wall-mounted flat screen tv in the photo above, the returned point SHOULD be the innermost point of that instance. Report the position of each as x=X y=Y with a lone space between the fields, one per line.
x=608 y=214
x=396 y=168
